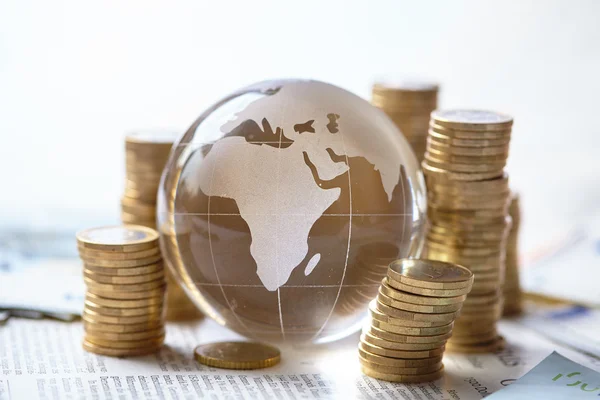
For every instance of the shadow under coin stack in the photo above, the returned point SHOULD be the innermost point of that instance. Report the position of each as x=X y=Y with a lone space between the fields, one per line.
x=125 y=278
x=513 y=297
x=411 y=320
x=146 y=154
x=409 y=105
x=468 y=197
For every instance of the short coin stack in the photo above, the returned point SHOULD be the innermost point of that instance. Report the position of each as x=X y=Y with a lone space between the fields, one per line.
x=409 y=105
x=468 y=197
x=513 y=297
x=411 y=320
x=125 y=278
x=146 y=154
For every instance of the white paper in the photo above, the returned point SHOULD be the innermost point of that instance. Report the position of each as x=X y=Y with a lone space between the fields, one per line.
x=44 y=360
x=555 y=378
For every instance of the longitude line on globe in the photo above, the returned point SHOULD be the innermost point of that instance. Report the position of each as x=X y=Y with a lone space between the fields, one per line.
x=277 y=232
x=349 y=238
x=212 y=255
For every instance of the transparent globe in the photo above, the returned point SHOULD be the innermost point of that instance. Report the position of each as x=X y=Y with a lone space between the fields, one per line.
x=282 y=205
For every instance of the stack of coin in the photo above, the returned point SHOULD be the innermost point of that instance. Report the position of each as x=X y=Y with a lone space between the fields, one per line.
x=409 y=105
x=146 y=154
x=468 y=197
x=513 y=297
x=411 y=320
x=125 y=278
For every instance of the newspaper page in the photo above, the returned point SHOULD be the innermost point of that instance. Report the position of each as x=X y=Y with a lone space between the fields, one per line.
x=44 y=360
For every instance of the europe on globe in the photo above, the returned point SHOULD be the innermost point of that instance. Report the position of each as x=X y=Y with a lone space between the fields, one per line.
x=282 y=205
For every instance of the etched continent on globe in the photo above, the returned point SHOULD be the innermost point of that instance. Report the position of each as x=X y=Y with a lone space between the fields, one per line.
x=286 y=219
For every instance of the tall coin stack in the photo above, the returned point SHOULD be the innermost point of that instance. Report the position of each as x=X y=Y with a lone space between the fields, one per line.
x=411 y=320
x=125 y=278
x=146 y=154
x=468 y=197
x=409 y=105
x=513 y=297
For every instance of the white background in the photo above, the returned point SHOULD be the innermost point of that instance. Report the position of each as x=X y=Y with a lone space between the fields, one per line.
x=76 y=75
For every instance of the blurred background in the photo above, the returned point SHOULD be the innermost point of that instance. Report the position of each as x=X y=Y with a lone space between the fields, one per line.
x=76 y=76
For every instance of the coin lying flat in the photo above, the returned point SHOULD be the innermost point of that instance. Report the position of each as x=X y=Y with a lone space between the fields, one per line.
x=471 y=119
x=155 y=310
x=129 y=295
x=95 y=317
x=403 y=378
x=385 y=331
x=129 y=336
x=410 y=331
x=237 y=355
x=122 y=238
x=94 y=348
x=492 y=346
x=113 y=255
x=419 y=308
x=398 y=365
x=143 y=270
x=430 y=274
x=428 y=292
x=370 y=338
x=126 y=344
x=123 y=280
x=121 y=328
x=405 y=354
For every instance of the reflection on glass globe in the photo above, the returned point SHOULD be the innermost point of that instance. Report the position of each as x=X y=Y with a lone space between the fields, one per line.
x=282 y=205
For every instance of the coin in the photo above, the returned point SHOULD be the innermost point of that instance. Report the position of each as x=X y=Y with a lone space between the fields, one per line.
x=100 y=262
x=121 y=328
x=386 y=331
x=370 y=338
x=440 y=318
x=470 y=134
x=155 y=311
x=123 y=280
x=107 y=302
x=472 y=119
x=93 y=348
x=126 y=344
x=430 y=274
x=442 y=174
x=400 y=365
x=389 y=369
x=432 y=332
x=133 y=271
x=127 y=295
x=462 y=142
x=111 y=255
x=417 y=308
x=428 y=292
x=149 y=334
x=492 y=346
x=95 y=317
x=125 y=238
x=399 y=315
x=475 y=337
x=403 y=378
x=237 y=355
x=137 y=287
x=406 y=354
x=415 y=299
x=438 y=148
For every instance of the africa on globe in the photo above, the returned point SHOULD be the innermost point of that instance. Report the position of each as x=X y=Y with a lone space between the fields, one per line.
x=282 y=205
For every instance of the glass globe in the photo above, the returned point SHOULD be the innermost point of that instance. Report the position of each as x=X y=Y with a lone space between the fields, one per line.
x=282 y=205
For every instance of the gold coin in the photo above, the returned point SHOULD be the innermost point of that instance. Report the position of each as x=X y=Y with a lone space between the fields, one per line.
x=406 y=354
x=497 y=235
x=471 y=142
x=442 y=174
x=137 y=287
x=97 y=318
x=440 y=318
x=385 y=325
x=470 y=134
x=132 y=271
x=237 y=355
x=458 y=251
x=428 y=292
x=136 y=207
x=108 y=302
x=122 y=295
x=100 y=262
x=386 y=331
x=480 y=120
x=446 y=158
x=417 y=308
x=123 y=280
x=125 y=344
x=93 y=348
x=493 y=310
x=456 y=167
x=492 y=346
x=409 y=326
x=389 y=369
x=416 y=299
x=435 y=147
x=430 y=274
x=432 y=363
x=469 y=338
x=120 y=328
x=125 y=238
x=150 y=334
x=111 y=255
x=399 y=315
x=403 y=378
x=370 y=338
x=155 y=312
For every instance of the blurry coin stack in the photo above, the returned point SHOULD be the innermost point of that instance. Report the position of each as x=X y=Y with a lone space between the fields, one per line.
x=409 y=105
x=125 y=278
x=411 y=320
x=468 y=197
x=513 y=297
x=146 y=154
